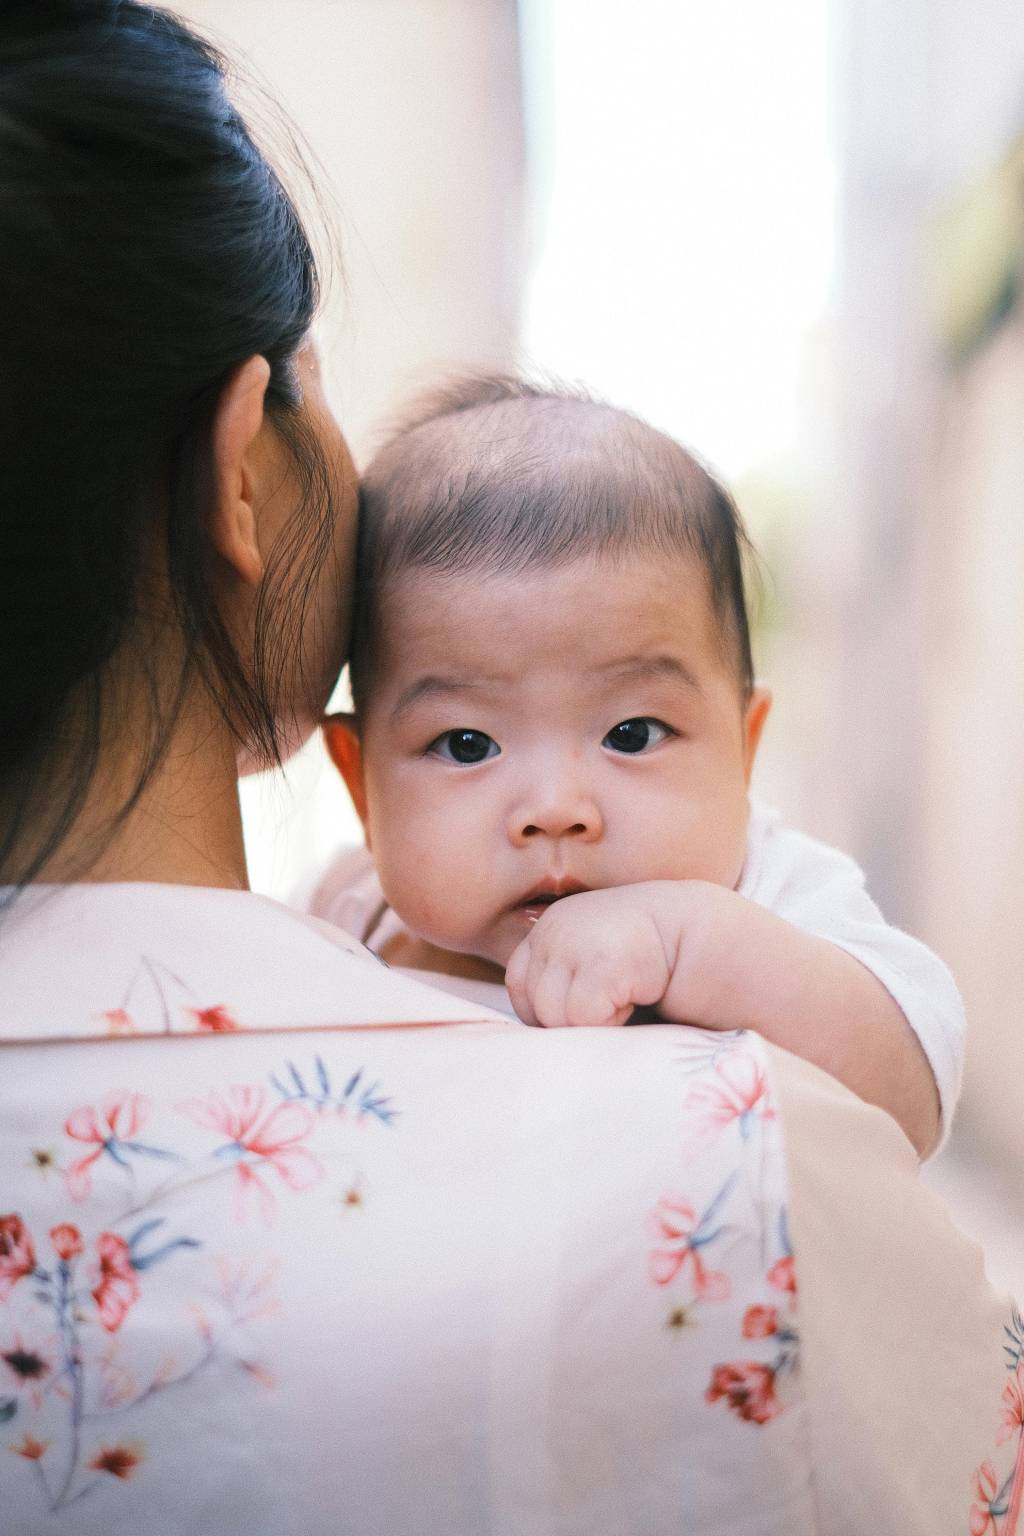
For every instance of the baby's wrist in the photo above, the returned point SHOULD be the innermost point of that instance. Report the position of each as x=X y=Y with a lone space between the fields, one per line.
x=701 y=929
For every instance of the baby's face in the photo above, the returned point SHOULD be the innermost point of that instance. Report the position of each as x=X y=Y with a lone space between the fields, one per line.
x=533 y=735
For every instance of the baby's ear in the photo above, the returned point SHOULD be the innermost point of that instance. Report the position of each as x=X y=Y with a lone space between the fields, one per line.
x=341 y=736
x=755 y=715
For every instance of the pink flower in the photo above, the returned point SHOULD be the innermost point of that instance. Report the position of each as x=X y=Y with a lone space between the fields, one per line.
x=741 y=1090
x=678 y=1224
x=67 y=1241
x=217 y=1020
x=17 y=1255
x=760 y=1322
x=117 y=1119
x=1013 y=1406
x=983 y=1521
x=117 y=1285
x=248 y=1293
x=782 y=1275
x=748 y=1388
x=119 y=1021
x=260 y=1138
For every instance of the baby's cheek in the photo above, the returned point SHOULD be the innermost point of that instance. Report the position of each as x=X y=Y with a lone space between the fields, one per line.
x=423 y=876
x=404 y=868
x=704 y=839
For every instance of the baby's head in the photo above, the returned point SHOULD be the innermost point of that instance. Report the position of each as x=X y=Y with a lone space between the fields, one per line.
x=551 y=665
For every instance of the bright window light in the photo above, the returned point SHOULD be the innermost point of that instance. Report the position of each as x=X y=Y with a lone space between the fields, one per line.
x=684 y=208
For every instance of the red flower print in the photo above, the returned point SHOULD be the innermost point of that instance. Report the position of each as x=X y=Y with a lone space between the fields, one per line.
x=678 y=1225
x=119 y=1460
x=760 y=1322
x=1013 y=1406
x=983 y=1521
x=118 y=1021
x=259 y=1139
x=216 y=1021
x=783 y=1275
x=31 y=1448
x=67 y=1241
x=741 y=1090
x=17 y=1255
x=117 y=1285
x=748 y=1388
x=115 y=1122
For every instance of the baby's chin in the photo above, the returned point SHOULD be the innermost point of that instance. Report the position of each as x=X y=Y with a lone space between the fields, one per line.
x=479 y=954
x=419 y=954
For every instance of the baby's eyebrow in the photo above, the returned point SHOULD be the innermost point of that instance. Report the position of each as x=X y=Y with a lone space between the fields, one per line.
x=653 y=666
x=430 y=686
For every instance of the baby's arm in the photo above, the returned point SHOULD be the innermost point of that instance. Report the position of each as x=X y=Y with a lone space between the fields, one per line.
x=702 y=954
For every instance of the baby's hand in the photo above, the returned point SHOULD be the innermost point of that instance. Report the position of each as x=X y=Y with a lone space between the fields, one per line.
x=591 y=959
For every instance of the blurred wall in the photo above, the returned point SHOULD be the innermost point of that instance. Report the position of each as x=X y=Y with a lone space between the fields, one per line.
x=923 y=544
x=971 y=872
x=412 y=108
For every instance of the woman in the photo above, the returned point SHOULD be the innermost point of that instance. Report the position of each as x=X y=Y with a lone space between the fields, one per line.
x=288 y=1243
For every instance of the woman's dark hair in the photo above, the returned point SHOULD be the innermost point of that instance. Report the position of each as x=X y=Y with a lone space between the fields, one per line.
x=146 y=249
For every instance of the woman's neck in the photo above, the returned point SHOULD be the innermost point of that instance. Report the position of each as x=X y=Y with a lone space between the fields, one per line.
x=185 y=829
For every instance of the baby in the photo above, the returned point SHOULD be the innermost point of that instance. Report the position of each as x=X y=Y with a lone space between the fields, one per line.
x=555 y=724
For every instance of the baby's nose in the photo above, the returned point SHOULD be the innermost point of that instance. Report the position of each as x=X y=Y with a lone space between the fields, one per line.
x=555 y=814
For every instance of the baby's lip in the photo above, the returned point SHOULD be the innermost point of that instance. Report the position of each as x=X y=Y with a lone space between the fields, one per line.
x=546 y=893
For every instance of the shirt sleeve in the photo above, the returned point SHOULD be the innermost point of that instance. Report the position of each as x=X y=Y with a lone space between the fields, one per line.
x=344 y=892
x=822 y=891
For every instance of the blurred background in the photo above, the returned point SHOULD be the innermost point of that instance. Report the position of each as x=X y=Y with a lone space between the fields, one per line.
x=792 y=236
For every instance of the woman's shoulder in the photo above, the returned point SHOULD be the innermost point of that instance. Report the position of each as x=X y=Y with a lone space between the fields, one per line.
x=93 y=960
x=661 y=1278
x=571 y=1244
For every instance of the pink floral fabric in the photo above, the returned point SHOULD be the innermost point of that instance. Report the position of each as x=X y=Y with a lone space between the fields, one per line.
x=998 y=1483
x=71 y=1293
x=289 y=1243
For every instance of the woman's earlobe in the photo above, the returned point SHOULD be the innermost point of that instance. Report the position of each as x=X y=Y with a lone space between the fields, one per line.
x=235 y=429
x=341 y=738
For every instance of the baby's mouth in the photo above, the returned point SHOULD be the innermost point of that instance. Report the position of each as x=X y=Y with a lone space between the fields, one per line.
x=537 y=901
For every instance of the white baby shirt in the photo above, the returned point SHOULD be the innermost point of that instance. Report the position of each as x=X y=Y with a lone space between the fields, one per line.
x=812 y=886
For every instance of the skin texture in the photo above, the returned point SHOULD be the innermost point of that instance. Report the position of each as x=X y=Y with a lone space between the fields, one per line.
x=643 y=849
x=187 y=828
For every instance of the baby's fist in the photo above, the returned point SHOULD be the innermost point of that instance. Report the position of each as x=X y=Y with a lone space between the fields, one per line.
x=590 y=959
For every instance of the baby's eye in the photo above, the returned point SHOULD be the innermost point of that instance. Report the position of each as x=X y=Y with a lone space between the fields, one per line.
x=637 y=735
x=464 y=747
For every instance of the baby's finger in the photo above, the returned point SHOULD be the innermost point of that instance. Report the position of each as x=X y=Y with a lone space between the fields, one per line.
x=516 y=973
x=589 y=1003
x=547 y=986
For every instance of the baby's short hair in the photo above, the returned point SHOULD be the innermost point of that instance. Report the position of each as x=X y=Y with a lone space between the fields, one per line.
x=496 y=474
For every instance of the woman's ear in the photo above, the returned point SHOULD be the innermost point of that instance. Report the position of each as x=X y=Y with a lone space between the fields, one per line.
x=237 y=421
x=341 y=737
x=754 y=717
